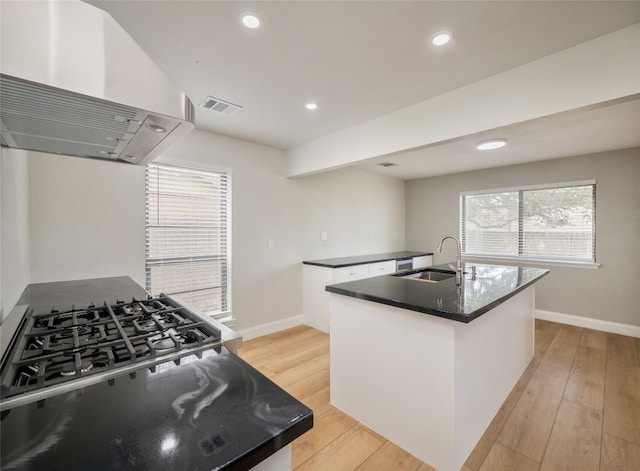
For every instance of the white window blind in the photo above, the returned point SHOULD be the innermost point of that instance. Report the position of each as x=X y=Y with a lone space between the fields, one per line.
x=549 y=223
x=188 y=243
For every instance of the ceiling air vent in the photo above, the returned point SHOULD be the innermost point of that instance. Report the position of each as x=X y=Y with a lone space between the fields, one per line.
x=387 y=164
x=219 y=106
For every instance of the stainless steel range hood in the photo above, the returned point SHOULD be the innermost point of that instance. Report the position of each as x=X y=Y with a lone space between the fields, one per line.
x=74 y=82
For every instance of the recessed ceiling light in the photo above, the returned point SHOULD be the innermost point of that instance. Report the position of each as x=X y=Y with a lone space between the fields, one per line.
x=491 y=144
x=441 y=38
x=251 y=21
x=311 y=106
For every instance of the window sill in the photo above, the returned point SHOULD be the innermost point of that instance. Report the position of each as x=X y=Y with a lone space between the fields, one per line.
x=531 y=261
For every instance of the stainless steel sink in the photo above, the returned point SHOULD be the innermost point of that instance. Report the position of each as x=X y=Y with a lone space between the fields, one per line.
x=430 y=276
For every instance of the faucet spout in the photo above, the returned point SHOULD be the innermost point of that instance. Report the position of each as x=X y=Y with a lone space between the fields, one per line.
x=458 y=255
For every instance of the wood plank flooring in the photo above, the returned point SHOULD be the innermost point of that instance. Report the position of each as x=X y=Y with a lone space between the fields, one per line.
x=576 y=407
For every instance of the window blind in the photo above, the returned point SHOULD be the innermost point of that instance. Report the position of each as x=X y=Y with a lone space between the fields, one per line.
x=188 y=243
x=550 y=223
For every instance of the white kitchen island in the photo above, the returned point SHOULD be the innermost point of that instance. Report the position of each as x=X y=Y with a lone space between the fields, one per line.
x=425 y=382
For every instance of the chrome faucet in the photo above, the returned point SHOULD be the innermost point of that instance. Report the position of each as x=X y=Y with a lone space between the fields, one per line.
x=458 y=256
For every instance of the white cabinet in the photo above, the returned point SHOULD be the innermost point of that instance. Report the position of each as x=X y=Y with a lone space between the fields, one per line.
x=352 y=273
x=381 y=268
x=365 y=270
x=422 y=262
x=280 y=460
x=315 y=300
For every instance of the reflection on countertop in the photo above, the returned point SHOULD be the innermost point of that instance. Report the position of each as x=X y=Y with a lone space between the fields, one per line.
x=214 y=412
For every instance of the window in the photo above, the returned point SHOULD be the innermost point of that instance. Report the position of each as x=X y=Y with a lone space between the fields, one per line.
x=188 y=243
x=543 y=223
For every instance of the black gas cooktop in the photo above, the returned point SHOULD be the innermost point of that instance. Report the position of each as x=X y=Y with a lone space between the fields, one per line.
x=56 y=351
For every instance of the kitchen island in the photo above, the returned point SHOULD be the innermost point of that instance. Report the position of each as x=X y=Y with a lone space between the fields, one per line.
x=428 y=364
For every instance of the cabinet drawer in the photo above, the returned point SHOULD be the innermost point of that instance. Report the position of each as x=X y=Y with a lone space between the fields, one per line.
x=382 y=268
x=356 y=272
x=422 y=262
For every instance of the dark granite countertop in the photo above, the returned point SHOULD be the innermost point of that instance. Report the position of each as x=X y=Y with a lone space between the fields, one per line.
x=362 y=259
x=210 y=413
x=492 y=285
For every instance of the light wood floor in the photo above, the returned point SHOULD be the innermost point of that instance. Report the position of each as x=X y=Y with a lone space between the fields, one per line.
x=576 y=407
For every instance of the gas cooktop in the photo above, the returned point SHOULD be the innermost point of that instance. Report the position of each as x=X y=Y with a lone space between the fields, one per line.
x=55 y=352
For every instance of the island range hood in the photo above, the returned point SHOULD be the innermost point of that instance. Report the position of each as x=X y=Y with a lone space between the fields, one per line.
x=73 y=82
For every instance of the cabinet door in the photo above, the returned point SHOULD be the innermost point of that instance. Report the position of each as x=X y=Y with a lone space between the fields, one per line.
x=382 y=268
x=422 y=262
x=356 y=272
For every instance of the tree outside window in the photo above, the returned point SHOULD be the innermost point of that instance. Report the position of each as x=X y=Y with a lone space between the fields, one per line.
x=556 y=223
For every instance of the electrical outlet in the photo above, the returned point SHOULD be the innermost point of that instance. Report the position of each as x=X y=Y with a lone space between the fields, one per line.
x=270 y=243
x=324 y=236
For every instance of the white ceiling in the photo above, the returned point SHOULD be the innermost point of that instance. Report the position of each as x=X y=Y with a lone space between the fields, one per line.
x=599 y=129
x=360 y=60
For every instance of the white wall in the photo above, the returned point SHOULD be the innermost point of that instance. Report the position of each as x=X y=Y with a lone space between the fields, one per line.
x=14 y=227
x=361 y=212
x=67 y=218
x=607 y=293
x=348 y=204
x=266 y=283
x=87 y=219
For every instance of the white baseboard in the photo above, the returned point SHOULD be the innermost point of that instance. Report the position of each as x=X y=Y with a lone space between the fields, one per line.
x=589 y=323
x=270 y=327
x=586 y=322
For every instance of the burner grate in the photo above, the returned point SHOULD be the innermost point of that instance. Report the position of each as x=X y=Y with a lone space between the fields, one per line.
x=58 y=348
